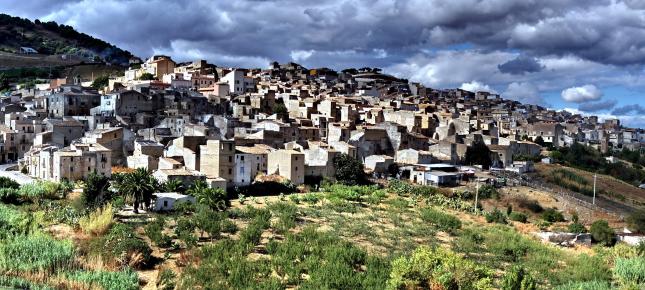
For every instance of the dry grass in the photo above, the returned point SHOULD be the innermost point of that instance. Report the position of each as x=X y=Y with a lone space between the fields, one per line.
x=99 y=221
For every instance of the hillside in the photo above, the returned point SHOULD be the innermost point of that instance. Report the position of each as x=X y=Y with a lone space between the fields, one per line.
x=57 y=44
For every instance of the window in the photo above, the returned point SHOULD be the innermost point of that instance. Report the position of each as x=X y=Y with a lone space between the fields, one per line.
x=230 y=171
x=296 y=169
x=242 y=158
x=165 y=203
x=230 y=159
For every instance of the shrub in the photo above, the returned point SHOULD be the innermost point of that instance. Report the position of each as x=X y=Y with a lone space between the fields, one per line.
x=98 y=221
x=630 y=271
x=122 y=245
x=496 y=216
x=518 y=217
x=286 y=213
x=518 y=279
x=530 y=204
x=35 y=252
x=552 y=215
x=443 y=221
x=438 y=268
x=488 y=191
x=6 y=182
x=602 y=233
x=166 y=280
x=349 y=170
x=185 y=231
x=229 y=227
x=9 y=195
x=126 y=280
x=576 y=228
x=154 y=231
x=636 y=221
x=14 y=222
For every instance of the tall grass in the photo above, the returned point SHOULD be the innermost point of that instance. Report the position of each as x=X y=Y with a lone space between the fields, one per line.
x=99 y=221
x=123 y=280
x=36 y=252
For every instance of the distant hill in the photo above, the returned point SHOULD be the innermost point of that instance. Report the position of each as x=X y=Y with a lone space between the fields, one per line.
x=56 y=44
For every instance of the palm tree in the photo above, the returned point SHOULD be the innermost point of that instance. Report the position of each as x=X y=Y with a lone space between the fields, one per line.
x=174 y=185
x=197 y=187
x=215 y=198
x=139 y=185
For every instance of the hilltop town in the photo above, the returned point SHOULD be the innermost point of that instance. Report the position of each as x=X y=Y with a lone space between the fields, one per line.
x=228 y=126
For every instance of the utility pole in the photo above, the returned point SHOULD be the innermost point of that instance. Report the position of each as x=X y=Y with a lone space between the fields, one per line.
x=476 y=193
x=594 y=189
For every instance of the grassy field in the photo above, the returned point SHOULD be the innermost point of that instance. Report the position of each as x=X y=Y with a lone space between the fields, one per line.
x=607 y=186
x=343 y=237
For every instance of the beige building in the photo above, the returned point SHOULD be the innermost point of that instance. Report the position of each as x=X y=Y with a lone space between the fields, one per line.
x=79 y=160
x=218 y=159
x=289 y=164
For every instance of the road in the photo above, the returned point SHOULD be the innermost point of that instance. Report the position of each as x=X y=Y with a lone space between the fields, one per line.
x=14 y=174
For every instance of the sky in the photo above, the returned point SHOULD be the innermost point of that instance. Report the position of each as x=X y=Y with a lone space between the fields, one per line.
x=583 y=56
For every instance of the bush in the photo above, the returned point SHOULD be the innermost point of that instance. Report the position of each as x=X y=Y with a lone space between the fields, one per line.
x=530 y=204
x=443 y=221
x=518 y=279
x=438 y=268
x=122 y=245
x=98 y=221
x=518 y=217
x=552 y=215
x=496 y=216
x=636 y=221
x=166 y=280
x=602 y=233
x=488 y=191
x=349 y=170
x=10 y=195
x=6 y=182
x=14 y=222
x=576 y=228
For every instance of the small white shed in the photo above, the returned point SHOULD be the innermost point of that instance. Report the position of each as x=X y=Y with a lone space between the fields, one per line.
x=166 y=200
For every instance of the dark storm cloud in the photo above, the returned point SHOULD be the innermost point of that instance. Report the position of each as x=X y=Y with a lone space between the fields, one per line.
x=521 y=65
x=634 y=109
x=598 y=106
x=599 y=30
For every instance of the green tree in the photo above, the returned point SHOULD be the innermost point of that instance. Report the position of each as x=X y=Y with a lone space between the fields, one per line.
x=96 y=193
x=280 y=109
x=636 y=221
x=4 y=82
x=479 y=154
x=138 y=185
x=602 y=233
x=147 y=77
x=349 y=170
x=174 y=185
x=101 y=82
x=540 y=141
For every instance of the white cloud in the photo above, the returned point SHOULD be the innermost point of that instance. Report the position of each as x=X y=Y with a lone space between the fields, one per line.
x=524 y=92
x=301 y=55
x=581 y=94
x=476 y=86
